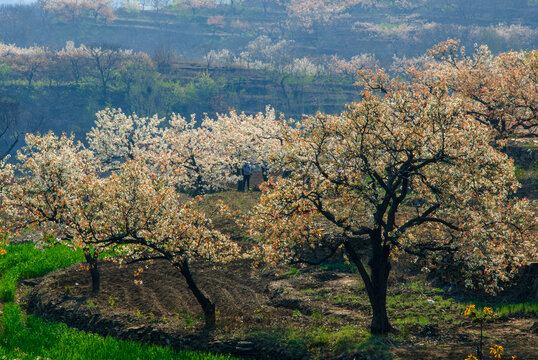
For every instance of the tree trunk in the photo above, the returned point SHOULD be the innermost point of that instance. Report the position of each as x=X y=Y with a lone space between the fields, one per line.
x=94 y=271
x=378 y=300
x=207 y=306
x=375 y=283
x=380 y=268
x=105 y=92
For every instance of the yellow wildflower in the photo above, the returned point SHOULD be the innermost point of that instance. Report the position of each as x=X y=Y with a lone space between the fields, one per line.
x=487 y=311
x=469 y=310
x=496 y=351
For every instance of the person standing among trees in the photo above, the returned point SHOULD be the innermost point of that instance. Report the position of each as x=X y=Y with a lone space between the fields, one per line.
x=246 y=171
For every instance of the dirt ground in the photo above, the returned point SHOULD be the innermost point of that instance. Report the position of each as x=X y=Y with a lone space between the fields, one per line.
x=162 y=310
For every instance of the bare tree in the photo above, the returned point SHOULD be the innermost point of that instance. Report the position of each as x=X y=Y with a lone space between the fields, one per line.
x=106 y=60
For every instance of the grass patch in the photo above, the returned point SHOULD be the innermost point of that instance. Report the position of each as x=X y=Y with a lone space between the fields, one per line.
x=529 y=309
x=320 y=342
x=504 y=311
x=23 y=261
x=237 y=202
x=28 y=337
x=418 y=304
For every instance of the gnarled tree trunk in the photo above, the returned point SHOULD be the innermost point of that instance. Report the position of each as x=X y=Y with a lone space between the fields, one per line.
x=375 y=283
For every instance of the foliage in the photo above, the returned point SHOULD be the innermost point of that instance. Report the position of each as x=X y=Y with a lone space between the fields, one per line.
x=117 y=136
x=131 y=210
x=73 y=10
x=209 y=157
x=29 y=62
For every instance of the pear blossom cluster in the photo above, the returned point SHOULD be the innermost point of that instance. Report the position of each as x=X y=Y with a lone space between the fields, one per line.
x=499 y=91
x=264 y=53
x=197 y=156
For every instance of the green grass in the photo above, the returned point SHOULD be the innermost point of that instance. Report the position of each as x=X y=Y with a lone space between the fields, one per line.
x=503 y=311
x=23 y=261
x=522 y=309
x=418 y=304
x=28 y=337
x=318 y=341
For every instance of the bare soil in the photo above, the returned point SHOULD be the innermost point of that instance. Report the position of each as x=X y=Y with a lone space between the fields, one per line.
x=163 y=311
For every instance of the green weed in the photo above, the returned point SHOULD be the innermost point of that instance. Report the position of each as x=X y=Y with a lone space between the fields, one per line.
x=292 y=272
x=189 y=321
x=139 y=315
x=503 y=311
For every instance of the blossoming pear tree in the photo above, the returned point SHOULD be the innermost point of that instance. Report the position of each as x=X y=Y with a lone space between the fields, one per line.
x=197 y=156
x=208 y=157
x=131 y=209
x=245 y=138
x=410 y=171
x=57 y=188
x=146 y=219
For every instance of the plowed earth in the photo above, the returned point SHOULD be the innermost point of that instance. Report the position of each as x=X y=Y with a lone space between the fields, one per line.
x=163 y=311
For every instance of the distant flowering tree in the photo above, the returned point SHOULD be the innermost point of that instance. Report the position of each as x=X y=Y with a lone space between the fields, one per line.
x=335 y=65
x=27 y=61
x=216 y=22
x=105 y=61
x=409 y=171
x=308 y=13
x=275 y=55
x=209 y=157
x=77 y=57
x=220 y=58
x=196 y=156
x=117 y=137
x=72 y=10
